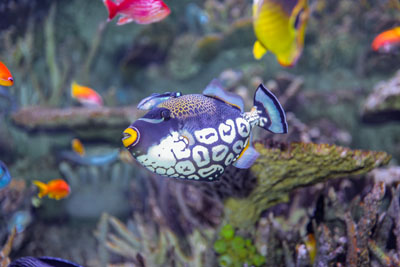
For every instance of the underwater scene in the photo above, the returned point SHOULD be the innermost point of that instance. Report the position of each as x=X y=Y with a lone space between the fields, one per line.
x=199 y=133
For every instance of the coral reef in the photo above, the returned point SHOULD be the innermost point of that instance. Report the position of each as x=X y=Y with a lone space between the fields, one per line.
x=304 y=164
x=98 y=177
x=340 y=230
x=102 y=123
x=15 y=210
x=149 y=244
x=6 y=249
x=383 y=104
x=74 y=118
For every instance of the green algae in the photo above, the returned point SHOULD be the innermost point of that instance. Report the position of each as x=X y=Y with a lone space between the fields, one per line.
x=281 y=170
x=234 y=250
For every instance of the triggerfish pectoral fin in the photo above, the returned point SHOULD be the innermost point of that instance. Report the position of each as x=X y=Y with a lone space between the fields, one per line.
x=247 y=158
x=215 y=90
x=272 y=115
x=43 y=188
x=258 y=50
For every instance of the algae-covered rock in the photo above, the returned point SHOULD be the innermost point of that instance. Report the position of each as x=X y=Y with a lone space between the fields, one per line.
x=105 y=122
x=281 y=170
x=383 y=104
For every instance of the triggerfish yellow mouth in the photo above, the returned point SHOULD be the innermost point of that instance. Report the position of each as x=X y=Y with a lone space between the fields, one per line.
x=131 y=137
x=280 y=27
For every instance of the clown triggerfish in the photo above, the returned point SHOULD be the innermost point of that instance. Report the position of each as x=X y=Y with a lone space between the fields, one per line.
x=197 y=136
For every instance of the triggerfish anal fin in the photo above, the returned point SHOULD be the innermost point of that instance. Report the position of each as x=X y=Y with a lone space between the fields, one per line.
x=247 y=158
x=215 y=90
x=155 y=99
x=272 y=115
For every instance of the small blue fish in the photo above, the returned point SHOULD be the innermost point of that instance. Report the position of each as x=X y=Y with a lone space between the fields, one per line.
x=42 y=262
x=5 y=177
x=20 y=220
x=197 y=136
x=96 y=160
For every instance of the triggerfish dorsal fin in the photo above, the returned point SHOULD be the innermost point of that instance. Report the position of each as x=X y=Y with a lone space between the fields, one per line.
x=214 y=89
x=43 y=188
x=272 y=115
x=248 y=156
x=155 y=99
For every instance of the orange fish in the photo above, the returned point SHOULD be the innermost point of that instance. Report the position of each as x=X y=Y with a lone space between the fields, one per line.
x=387 y=40
x=140 y=11
x=85 y=95
x=6 y=78
x=56 y=189
x=77 y=146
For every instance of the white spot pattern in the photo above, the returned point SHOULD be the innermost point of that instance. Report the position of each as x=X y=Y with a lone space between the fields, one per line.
x=161 y=171
x=213 y=170
x=219 y=152
x=229 y=159
x=194 y=176
x=185 y=167
x=173 y=157
x=227 y=131
x=201 y=156
x=238 y=146
x=243 y=127
x=207 y=136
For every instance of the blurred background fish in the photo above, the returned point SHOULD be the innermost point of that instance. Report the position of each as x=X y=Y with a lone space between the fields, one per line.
x=86 y=96
x=5 y=177
x=280 y=27
x=56 y=189
x=6 y=78
x=42 y=262
x=387 y=41
x=139 y=11
x=78 y=147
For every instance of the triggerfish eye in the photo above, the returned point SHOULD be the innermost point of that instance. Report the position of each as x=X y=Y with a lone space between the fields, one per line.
x=131 y=137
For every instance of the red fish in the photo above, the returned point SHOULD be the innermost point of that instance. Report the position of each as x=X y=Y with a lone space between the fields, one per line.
x=5 y=76
x=140 y=11
x=387 y=40
x=57 y=189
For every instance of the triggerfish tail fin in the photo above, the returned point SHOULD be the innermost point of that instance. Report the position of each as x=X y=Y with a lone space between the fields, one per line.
x=247 y=157
x=258 y=50
x=112 y=8
x=43 y=188
x=272 y=115
x=215 y=90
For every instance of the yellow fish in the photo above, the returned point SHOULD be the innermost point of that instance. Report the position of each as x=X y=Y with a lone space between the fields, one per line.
x=279 y=26
x=77 y=146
